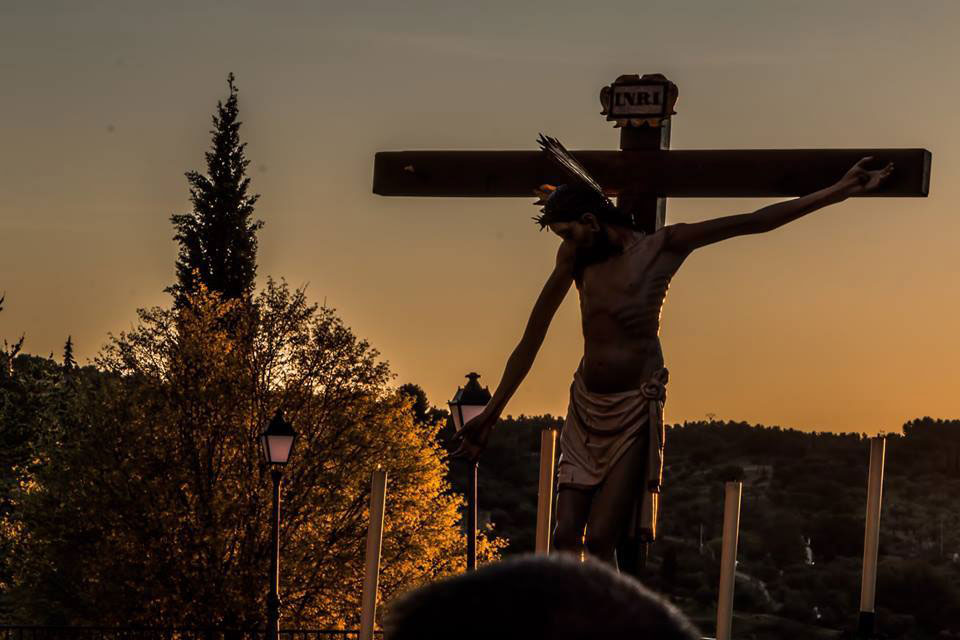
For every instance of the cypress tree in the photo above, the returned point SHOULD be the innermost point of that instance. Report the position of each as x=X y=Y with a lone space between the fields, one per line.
x=218 y=239
x=69 y=363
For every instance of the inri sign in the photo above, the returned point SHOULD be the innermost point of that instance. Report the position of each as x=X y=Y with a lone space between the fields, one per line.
x=651 y=97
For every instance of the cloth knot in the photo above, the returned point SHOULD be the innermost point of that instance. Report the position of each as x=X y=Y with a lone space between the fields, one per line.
x=656 y=387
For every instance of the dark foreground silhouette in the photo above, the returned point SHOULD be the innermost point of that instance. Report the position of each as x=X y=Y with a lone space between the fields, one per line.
x=531 y=597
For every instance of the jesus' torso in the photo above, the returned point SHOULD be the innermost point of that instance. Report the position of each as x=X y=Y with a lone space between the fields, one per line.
x=620 y=302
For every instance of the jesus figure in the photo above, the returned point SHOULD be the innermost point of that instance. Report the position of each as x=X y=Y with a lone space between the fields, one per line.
x=611 y=445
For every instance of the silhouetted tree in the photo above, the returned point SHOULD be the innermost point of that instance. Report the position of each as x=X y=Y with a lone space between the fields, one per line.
x=218 y=239
x=9 y=352
x=22 y=387
x=153 y=506
x=418 y=398
x=68 y=361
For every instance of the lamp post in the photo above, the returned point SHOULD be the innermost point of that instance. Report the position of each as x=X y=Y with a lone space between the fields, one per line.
x=277 y=442
x=467 y=404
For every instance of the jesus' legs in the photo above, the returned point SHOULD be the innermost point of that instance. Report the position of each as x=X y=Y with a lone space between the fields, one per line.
x=602 y=510
x=613 y=501
x=573 y=508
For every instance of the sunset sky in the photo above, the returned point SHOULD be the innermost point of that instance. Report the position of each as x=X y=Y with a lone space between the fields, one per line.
x=843 y=321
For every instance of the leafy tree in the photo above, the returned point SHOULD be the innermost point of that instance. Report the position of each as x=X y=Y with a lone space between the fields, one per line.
x=9 y=352
x=44 y=412
x=154 y=508
x=26 y=383
x=218 y=239
x=418 y=400
x=928 y=593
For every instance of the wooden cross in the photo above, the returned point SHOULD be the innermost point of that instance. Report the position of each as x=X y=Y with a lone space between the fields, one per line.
x=643 y=173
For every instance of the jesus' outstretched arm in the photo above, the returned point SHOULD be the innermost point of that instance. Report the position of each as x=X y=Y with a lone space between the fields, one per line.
x=687 y=237
x=474 y=434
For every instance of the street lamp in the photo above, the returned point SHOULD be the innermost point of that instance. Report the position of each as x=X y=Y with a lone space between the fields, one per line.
x=277 y=442
x=467 y=404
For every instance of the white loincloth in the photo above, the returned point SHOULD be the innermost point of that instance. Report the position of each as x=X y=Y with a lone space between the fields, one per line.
x=599 y=429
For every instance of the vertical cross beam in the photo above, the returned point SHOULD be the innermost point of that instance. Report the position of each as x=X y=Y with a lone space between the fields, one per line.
x=649 y=210
x=650 y=213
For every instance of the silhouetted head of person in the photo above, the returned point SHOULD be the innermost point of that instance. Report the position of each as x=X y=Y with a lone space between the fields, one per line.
x=582 y=216
x=578 y=207
x=538 y=597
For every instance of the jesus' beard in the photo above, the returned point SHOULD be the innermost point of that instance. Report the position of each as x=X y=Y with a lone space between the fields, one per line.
x=601 y=250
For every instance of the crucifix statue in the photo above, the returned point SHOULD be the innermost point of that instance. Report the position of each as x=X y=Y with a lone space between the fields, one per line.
x=621 y=258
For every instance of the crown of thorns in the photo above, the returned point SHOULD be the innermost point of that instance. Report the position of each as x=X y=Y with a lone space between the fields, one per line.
x=568 y=202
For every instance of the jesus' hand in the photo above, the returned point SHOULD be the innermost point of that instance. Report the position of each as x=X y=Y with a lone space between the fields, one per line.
x=473 y=437
x=861 y=180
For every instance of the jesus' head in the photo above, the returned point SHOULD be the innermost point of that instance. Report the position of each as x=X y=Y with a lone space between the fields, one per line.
x=584 y=217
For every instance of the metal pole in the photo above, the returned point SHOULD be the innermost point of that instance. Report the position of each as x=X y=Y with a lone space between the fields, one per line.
x=273 y=598
x=728 y=559
x=871 y=536
x=472 y=520
x=368 y=610
x=548 y=448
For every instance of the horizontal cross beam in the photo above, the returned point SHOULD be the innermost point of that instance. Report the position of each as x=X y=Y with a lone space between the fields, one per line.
x=685 y=174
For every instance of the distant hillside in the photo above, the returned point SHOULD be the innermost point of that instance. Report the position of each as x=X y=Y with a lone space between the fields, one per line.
x=507 y=478
x=804 y=499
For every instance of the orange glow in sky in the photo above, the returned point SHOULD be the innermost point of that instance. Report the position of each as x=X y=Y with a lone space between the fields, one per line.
x=843 y=321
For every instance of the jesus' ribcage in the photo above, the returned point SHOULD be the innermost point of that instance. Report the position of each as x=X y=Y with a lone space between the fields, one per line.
x=621 y=299
x=642 y=315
